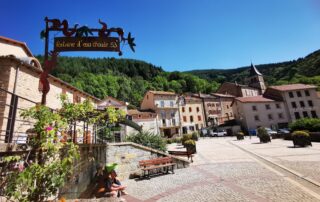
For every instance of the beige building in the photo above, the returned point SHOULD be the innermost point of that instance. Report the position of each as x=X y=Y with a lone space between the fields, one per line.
x=165 y=105
x=191 y=114
x=146 y=119
x=19 y=81
x=301 y=101
x=258 y=111
x=226 y=113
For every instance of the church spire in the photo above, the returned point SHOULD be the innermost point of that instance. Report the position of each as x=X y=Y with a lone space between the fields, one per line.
x=254 y=71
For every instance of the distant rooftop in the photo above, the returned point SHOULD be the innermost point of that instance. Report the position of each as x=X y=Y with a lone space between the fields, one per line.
x=162 y=92
x=290 y=87
x=259 y=98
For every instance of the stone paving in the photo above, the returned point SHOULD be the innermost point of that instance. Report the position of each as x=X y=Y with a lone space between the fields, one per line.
x=223 y=172
x=304 y=161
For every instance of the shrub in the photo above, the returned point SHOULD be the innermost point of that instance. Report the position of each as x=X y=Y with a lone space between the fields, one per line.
x=190 y=145
x=263 y=135
x=240 y=135
x=186 y=137
x=310 y=124
x=148 y=139
x=177 y=140
x=195 y=136
x=300 y=133
x=301 y=138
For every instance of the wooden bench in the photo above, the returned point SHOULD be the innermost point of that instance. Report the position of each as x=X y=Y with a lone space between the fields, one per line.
x=189 y=154
x=157 y=164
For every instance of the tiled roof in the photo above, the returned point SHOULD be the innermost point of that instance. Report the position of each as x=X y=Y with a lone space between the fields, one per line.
x=114 y=99
x=290 y=87
x=222 y=95
x=259 y=98
x=162 y=93
x=135 y=111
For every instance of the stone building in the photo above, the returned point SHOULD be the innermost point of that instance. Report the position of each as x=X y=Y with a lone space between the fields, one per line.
x=258 y=111
x=212 y=108
x=147 y=119
x=226 y=113
x=19 y=81
x=165 y=105
x=191 y=113
x=301 y=101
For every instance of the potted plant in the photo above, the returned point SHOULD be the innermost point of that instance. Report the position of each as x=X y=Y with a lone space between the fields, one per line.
x=301 y=138
x=263 y=135
x=185 y=138
x=240 y=135
x=190 y=146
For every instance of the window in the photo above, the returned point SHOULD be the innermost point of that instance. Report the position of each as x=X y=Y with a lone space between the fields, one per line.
x=162 y=103
x=190 y=109
x=256 y=117
x=173 y=122
x=184 y=119
x=139 y=116
x=163 y=114
x=254 y=108
x=227 y=106
x=183 y=110
x=278 y=106
x=172 y=114
x=198 y=109
x=231 y=114
x=268 y=106
x=291 y=94
x=293 y=104
x=147 y=97
x=307 y=93
x=199 y=118
x=314 y=114
x=305 y=114
x=164 y=122
x=297 y=115
x=310 y=103
x=298 y=93
x=280 y=115
x=171 y=103
x=301 y=103
x=191 y=119
x=270 y=117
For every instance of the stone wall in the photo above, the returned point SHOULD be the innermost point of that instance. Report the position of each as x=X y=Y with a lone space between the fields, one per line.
x=85 y=169
x=128 y=155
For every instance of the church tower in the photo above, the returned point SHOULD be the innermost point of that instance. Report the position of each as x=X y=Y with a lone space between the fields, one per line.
x=256 y=79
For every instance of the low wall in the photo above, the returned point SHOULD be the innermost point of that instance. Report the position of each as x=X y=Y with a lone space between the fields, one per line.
x=128 y=155
x=85 y=169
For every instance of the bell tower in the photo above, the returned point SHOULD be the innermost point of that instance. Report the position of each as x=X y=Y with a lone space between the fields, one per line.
x=256 y=79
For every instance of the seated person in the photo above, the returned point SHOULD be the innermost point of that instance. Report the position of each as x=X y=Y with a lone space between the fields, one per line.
x=112 y=184
x=99 y=179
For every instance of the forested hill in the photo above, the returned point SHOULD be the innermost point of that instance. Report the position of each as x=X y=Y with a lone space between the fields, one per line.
x=128 y=79
x=303 y=70
x=125 y=79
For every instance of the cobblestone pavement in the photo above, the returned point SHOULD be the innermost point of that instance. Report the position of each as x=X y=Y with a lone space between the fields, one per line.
x=303 y=161
x=223 y=172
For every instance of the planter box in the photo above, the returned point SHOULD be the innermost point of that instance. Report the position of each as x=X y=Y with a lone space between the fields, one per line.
x=265 y=139
x=240 y=137
x=301 y=141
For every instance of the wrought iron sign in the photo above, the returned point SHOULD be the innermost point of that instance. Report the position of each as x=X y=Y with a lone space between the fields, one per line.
x=78 y=39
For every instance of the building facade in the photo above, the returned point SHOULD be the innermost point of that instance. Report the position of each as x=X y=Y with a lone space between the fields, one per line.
x=19 y=82
x=165 y=105
x=191 y=114
x=146 y=119
x=301 y=100
x=258 y=111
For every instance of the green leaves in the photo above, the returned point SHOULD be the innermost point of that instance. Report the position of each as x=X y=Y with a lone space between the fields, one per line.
x=148 y=139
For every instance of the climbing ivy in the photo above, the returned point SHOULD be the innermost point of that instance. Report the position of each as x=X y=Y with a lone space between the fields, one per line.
x=39 y=178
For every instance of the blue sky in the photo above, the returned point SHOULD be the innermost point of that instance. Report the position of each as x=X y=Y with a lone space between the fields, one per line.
x=182 y=34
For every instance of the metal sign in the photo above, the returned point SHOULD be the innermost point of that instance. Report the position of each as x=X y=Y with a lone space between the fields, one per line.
x=86 y=44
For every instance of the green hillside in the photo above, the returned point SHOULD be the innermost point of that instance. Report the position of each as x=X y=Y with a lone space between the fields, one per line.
x=128 y=79
x=304 y=70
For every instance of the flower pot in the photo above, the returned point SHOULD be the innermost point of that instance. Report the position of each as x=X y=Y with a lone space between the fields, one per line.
x=301 y=141
x=240 y=137
x=265 y=139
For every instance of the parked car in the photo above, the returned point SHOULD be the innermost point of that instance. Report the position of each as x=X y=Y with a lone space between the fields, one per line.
x=271 y=132
x=283 y=131
x=219 y=133
x=204 y=132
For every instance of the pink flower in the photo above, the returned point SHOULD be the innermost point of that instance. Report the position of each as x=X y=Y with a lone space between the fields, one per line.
x=49 y=128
